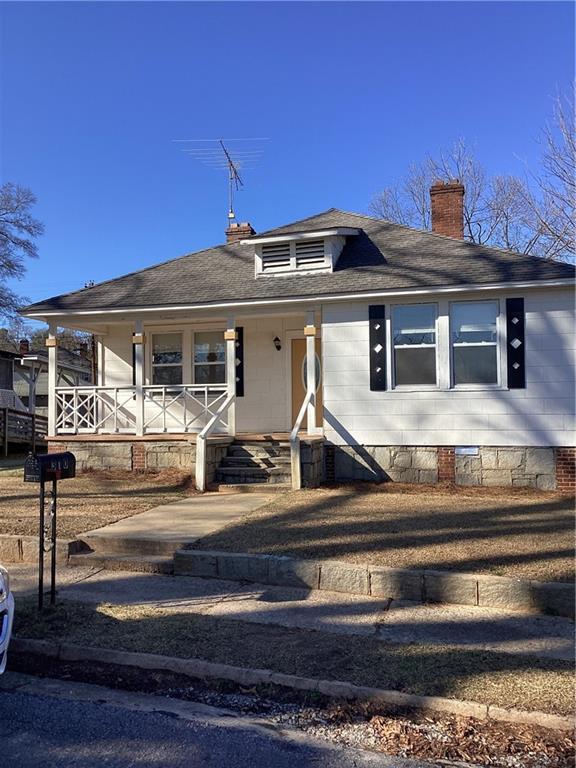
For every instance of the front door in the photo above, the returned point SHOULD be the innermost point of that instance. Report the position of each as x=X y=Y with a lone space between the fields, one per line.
x=299 y=380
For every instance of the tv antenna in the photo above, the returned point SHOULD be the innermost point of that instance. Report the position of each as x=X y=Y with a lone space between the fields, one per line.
x=229 y=157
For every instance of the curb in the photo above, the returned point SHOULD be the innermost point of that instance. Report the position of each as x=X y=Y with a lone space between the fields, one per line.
x=245 y=676
x=424 y=586
x=24 y=549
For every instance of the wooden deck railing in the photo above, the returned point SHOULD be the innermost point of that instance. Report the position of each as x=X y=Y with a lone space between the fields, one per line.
x=21 y=427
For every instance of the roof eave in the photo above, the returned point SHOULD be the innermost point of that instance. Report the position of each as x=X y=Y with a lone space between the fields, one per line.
x=312 y=299
x=305 y=234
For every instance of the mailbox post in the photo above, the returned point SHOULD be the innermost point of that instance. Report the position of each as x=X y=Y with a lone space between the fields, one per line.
x=40 y=469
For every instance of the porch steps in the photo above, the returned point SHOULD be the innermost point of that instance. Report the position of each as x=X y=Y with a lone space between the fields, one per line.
x=255 y=462
x=135 y=563
x=267 y=488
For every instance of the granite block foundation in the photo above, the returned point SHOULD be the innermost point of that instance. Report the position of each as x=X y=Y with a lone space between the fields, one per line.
x=547 y=469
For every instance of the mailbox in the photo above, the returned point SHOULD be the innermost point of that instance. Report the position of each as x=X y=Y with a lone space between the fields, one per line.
x=49 y=466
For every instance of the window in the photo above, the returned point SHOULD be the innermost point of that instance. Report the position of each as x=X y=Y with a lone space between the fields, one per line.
x=167 y=358
x=474 y=342
x=414 y=340
x=209 y=358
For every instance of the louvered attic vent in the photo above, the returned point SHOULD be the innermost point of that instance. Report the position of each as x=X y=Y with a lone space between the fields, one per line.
x=276 y=257
x=310 y=254
x=300 y=256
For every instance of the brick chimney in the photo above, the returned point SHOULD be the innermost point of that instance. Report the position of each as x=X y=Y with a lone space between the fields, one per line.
x=238 y=231
x=447 y=203
x=24 y=347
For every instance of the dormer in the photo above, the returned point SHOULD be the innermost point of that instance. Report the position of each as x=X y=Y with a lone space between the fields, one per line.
x=299 y=253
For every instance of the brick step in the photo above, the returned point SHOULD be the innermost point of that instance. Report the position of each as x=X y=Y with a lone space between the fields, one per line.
x=128 y=545
x=137 y=564
x=265 y=488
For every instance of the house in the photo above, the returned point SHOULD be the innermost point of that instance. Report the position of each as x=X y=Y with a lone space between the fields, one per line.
x=24 y=376
x=336 y=347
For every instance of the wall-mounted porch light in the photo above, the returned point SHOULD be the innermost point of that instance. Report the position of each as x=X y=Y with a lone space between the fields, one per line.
x=277 y=343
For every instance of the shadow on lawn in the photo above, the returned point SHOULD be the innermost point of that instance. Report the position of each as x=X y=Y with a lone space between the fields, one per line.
x=424 y=665
x=513 y=533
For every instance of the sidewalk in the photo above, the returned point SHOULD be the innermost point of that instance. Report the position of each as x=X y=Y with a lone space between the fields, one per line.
x=401 y=622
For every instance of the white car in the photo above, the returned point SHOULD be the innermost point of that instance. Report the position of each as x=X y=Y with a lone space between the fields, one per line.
x=6 y=616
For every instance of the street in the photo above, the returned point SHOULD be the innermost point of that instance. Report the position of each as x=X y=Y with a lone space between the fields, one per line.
x=58 y=724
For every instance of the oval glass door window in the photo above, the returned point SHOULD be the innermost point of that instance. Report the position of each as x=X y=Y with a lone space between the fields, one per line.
x=305 y=372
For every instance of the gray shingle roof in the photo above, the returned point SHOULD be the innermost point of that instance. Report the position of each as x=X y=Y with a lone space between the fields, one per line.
x=383 y=257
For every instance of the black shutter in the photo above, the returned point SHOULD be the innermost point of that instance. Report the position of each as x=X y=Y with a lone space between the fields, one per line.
x=515 y=343
x=377 y=324
x=239 y=362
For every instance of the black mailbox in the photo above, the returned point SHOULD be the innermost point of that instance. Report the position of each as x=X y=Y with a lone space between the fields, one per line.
x=49 y=466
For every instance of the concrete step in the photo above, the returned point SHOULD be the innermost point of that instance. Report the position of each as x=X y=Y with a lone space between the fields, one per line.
x=264 y=488
x=129 y=545
x=259 y=453
x=269 y=462
x=135 y=563
x=252 y=475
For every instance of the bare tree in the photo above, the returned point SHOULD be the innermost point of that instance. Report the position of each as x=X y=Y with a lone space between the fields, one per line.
x=531 y=215
x=18 y=229
x=554 y=203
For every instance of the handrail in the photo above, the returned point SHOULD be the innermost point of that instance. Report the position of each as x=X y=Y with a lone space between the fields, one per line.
x=201 y=442
x=295 y=442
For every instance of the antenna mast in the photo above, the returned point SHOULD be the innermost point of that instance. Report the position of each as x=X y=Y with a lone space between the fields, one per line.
x=234 y=181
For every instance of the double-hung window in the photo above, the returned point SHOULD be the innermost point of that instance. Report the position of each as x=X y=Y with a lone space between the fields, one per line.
x=474 y=339
x=167 y=358
x=414 y=344
x=209 y=358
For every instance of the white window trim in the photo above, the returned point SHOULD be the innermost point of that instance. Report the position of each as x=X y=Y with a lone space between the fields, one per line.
x=391 y=358
x=166 y=365
x=500 y=344
x=444 y=366
x=195 y=364
x=187 y=332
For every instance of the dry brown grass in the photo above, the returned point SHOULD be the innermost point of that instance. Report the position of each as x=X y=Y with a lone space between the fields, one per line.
x=91 y=500
x=457 y=672
x=507 y=531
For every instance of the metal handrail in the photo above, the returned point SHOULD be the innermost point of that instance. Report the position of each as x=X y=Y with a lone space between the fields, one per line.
x=295 y=442
x=201 y=442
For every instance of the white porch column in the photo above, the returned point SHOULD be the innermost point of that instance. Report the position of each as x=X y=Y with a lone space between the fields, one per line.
x=52 y=345
x=230 y=337
x=138 y=341
x=310 y=334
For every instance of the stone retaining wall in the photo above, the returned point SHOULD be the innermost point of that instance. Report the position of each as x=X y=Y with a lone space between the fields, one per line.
x=545 y=468
x=424 y=586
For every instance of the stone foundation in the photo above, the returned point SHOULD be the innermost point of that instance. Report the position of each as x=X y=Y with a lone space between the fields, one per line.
x=542 y=467
x=142 y=455
x=312 y=462
x=377 y=463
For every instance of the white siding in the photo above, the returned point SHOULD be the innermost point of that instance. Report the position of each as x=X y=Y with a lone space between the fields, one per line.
x=117 y=357
x=541 y=414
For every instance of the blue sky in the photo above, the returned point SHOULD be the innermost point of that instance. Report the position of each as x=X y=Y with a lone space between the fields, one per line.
x=93 y=95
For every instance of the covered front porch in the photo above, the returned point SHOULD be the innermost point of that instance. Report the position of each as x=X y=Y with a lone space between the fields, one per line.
x=195 y=378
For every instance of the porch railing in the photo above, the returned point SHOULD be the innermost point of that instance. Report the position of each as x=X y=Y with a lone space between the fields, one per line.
x=121 y=410
x=200 y=476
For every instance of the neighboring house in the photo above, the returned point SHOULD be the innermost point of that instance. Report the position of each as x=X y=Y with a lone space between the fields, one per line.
x=24 y=377
x=435 y=359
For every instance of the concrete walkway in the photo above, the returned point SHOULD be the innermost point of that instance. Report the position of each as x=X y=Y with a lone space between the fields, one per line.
x=186 y=520
x=334 y=612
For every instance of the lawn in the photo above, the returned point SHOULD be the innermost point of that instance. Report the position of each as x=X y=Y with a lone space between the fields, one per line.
x=514 y=532
x=488 y=677
x=90 y=500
